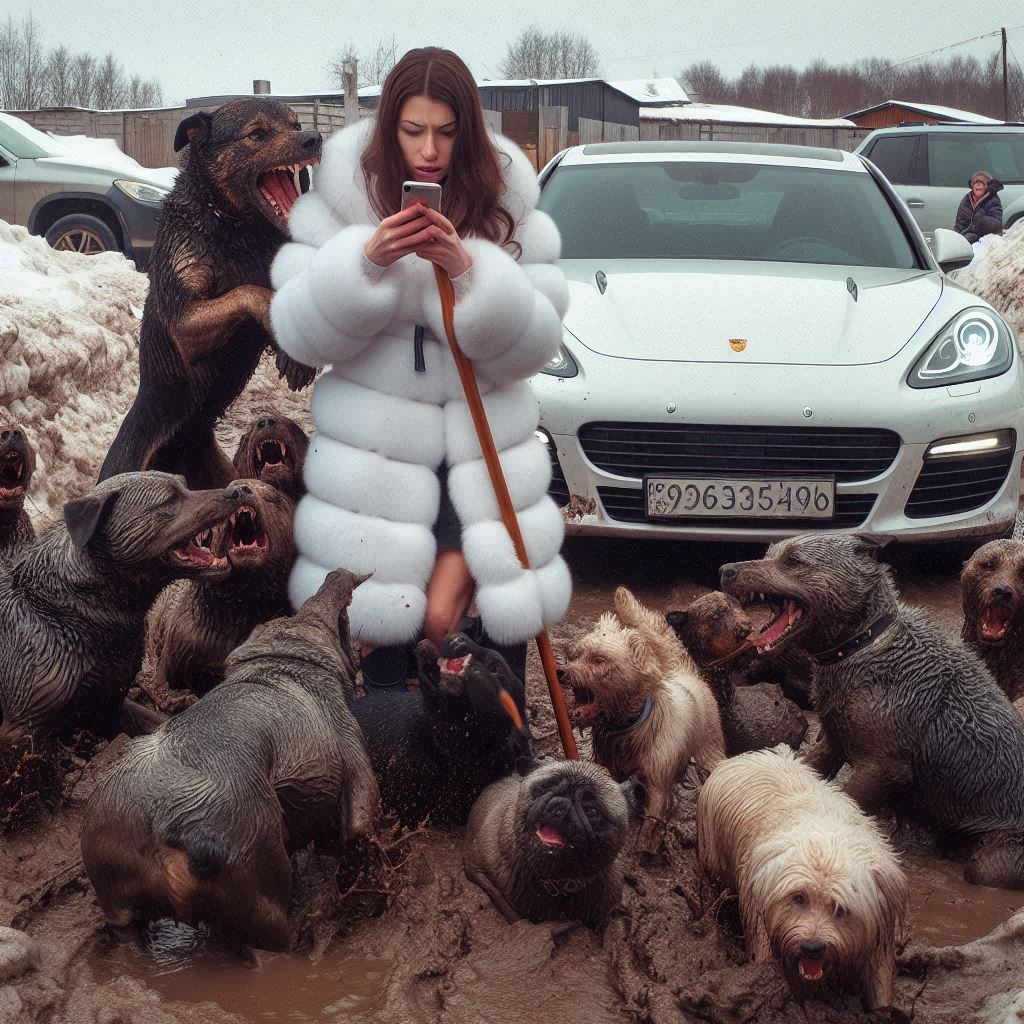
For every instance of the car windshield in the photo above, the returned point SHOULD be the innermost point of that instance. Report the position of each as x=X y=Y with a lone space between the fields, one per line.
x=24 y=141
x=724 y=211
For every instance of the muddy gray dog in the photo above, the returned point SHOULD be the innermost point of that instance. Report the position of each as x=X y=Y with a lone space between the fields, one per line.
x=916 y=714
x=74 y=602
x=197 y=820
x=17 y=464
x=194 y=626
x=546 y=846
x=992 y=585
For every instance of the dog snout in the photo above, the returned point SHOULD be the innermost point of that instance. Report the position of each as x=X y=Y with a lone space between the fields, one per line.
x=10 y=435
x=1002 y=593
x=813 y=949
x=266 y=423
x=727 y=572
x=312 y=142
x=240 y=491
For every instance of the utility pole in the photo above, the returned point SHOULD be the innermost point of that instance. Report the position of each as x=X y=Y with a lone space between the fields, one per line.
x=350 y=83
x=1006 y=90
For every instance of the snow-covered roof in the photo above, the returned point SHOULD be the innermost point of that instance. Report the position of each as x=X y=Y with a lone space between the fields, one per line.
x=737 y=115
x=519 y=83
x=931 y=109
x=649 y=91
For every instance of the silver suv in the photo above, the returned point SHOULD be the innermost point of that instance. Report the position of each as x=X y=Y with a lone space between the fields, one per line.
x=930 y=166
x=89 y=200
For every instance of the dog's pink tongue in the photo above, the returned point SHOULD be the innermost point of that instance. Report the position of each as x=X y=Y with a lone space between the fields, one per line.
x=994 y=622
x=550 y=836
x=773 y=630
x=810 y=969
x=280 y=186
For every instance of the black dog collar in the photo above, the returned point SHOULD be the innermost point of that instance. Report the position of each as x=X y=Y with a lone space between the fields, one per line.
x=564 y=886
x=645 y=713
x=858 y=642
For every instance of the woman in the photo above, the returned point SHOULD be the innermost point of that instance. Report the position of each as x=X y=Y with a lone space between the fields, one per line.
x=980 y=212
x=397 y=485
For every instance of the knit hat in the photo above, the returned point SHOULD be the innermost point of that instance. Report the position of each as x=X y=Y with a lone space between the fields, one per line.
x=981 y=176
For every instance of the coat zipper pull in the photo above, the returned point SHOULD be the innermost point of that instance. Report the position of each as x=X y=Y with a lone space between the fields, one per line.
x=419 y=365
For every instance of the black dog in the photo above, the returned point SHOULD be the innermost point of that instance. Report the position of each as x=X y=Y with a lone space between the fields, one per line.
x=207 y=316
x=435 y=751
x=273 y=450
x=17 y=464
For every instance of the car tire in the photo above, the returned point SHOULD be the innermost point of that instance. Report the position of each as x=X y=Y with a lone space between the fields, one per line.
x=80 y=232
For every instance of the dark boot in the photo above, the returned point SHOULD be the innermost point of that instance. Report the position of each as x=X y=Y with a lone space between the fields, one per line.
x=384 y=668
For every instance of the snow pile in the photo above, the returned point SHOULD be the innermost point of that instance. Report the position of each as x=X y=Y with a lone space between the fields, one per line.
x=69 y=363
x=996 y=274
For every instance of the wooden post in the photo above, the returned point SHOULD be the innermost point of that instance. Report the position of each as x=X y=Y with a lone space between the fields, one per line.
x=350 y=83
x=1006 y=90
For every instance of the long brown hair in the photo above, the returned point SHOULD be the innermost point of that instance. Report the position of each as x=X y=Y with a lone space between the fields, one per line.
x=474 y=184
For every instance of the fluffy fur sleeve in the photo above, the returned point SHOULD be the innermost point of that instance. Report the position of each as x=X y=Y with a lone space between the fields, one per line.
x=326 y=309
x=509 y=320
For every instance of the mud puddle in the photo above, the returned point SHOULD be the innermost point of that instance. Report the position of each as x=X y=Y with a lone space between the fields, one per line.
x=183 y=966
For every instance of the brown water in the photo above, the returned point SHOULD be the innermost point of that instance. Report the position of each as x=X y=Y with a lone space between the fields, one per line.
x=183 y=965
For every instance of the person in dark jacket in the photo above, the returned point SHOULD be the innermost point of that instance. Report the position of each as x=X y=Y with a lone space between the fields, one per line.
x=980 y=212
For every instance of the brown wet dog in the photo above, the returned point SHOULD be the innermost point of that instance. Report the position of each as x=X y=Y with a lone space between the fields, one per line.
x=715 y=630
x=74 y=602
x=197 y=820
x=916 y=714
x=273 y=450
x=207 y=316
x=992 y=584
x=641 y=693
x=194 y=626
x=17 y=464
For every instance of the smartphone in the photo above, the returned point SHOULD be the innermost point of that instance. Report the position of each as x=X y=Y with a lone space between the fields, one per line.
x=426 y=192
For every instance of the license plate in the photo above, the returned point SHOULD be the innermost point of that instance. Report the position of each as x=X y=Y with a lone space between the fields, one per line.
x=739 y=497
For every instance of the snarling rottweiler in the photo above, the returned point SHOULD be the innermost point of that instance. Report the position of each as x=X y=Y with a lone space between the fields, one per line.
x=207 y=316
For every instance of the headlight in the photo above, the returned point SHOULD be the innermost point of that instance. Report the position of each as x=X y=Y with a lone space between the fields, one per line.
x=563 y=364
x=141 y=191
x=974 y=345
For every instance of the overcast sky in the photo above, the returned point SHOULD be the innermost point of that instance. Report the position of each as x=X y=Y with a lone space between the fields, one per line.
x=215 y=47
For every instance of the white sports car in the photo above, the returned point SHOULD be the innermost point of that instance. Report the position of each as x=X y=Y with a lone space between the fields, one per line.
x=759 y=343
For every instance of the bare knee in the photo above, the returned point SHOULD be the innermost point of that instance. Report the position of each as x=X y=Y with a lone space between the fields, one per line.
x=440 y=621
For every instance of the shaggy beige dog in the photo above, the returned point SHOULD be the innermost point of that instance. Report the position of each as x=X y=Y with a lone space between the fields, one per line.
x=820 y=889
x=634 y=684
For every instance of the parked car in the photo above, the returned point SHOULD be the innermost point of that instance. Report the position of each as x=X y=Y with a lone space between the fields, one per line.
x=759 y=343
x=930 y=166
x=80 y=194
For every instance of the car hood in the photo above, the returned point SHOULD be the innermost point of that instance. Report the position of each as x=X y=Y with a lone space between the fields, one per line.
x=125 y=167
x=704 y=311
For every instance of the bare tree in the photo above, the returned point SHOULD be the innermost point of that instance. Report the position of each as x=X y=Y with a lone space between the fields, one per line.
x=84 y=79
x=22 y=64
x=60 y=77
x=538 y=54
x=111 y=88
x=373 y=66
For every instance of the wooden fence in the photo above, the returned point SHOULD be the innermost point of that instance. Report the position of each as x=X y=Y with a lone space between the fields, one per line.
x=792 y=135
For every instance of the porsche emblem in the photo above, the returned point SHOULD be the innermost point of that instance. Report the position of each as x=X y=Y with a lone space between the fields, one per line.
x=737 y=344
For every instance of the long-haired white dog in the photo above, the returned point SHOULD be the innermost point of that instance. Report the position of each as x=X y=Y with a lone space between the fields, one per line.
x=637 y=687
x=820 y=888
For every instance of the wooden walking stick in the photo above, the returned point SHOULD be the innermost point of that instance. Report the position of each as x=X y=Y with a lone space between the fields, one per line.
x=508 y=513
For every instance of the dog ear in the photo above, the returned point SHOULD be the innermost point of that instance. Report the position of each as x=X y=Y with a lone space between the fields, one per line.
x=868 y=546
x=85 y=517
x=526 y=765
x=635 y=792
x=643 y=652
x=195 y=126
x=677 y=619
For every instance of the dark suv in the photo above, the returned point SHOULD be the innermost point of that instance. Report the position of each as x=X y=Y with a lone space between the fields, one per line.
x=930 y=166
x=88 y=197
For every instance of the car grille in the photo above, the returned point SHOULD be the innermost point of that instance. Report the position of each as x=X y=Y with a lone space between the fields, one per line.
x=947 y=486
x=626 y=505
x=559 y=489
x=633 y=449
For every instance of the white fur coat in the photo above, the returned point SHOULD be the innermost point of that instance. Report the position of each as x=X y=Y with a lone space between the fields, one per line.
x=383 y=428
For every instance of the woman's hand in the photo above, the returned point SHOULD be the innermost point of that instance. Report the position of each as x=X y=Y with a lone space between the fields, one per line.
x=443 y=245
x=398 y=235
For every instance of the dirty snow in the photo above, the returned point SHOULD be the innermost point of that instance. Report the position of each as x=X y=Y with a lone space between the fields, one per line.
x=997 y=274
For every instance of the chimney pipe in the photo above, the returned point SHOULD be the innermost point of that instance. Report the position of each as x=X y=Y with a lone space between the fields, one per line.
x=261 y=87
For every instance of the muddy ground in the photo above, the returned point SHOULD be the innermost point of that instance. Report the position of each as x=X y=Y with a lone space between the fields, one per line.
x=413 y=941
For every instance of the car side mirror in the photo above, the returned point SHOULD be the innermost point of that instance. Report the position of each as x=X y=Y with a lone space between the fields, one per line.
x=951 y=250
